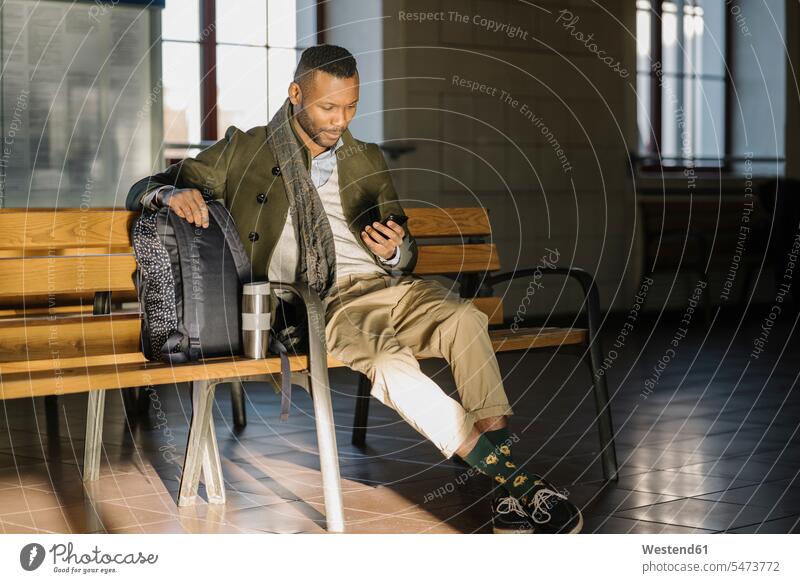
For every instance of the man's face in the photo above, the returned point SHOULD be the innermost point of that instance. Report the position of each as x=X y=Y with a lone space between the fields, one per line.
x=325 y=108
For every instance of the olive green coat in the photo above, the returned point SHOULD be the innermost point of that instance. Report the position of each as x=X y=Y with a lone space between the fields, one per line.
x=240 y=171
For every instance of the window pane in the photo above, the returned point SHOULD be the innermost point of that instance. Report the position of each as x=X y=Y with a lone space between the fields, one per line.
x=643 y=39
x=242 y=21
x=181 y=79
x=180 y=20
x=671 y=117
x=643 y=112
x=282 y=63
x=711 y=38
x=710 y=124
x=670 y=38
x=241 y=87
x=690 y=116
x=283 y=23
x=306 y=23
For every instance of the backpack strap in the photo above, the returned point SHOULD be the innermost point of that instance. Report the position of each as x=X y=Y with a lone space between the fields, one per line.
x=193 y=320
x=174 y=350
x=232 y=239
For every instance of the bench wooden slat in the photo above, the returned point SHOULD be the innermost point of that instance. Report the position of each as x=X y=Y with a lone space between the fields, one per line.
x=75 y=274
x=448 y=222
x=53 y=229
x=68 y=337
x=56 y=275
x=30 y=229
x=441 y=259
x=64 y=252
x=492 y=307
x=529 y=338
x=77 y=379
x=45 y=311
x=53 y=364
x=69 y=300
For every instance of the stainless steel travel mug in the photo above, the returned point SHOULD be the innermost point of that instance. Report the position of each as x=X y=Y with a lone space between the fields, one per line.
x=256 y=314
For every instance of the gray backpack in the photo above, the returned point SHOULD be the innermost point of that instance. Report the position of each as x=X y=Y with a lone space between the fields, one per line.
x=189 y=282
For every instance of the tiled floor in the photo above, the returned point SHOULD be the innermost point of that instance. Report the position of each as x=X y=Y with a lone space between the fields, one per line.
x=714 y=447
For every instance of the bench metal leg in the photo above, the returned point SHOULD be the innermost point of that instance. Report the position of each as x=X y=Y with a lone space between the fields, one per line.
x=202 y=454
x=136 y=403
x=51 y=414
x=594 y=358
x=605 y=426
x=362 y=410
x=95 y=409
x=320 y=390
x=328 y=452
x=237 y=404
x=94 y=435
x=212 y=466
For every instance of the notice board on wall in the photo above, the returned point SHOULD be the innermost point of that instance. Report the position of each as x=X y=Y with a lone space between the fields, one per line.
x=78 y=94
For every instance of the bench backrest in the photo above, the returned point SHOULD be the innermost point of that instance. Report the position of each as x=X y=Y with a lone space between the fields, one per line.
x=467 y=250
x=47 y=254
x=55 y=261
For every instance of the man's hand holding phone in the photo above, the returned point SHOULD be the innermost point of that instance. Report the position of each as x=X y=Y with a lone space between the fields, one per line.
x=385 y=237
x=188 y=204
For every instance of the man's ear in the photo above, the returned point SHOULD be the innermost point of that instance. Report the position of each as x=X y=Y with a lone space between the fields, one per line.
x=295 y=93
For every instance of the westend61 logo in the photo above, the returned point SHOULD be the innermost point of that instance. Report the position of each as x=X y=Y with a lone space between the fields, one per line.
x=65 y=560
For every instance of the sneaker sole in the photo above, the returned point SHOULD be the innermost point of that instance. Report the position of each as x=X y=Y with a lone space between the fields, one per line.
x=578 y=528
x=498 y=530
x=575 y=529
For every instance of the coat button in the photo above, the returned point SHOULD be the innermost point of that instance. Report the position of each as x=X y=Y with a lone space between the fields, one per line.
x=261 y=197
x=253 y=236
x=276 y=170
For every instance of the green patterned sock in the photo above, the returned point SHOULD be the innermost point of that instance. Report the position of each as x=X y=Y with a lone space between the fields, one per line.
x=500 y=437
x=495 y=462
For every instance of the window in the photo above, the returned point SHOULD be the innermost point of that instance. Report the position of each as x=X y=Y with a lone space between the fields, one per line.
x=228 y=62
x=681 y=82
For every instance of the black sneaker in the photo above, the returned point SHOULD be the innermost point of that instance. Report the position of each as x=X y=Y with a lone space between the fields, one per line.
x=549 y=511
x=509 y=517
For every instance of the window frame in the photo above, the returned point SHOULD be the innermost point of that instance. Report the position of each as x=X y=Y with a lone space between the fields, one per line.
x=207 y=44
x=652 y=159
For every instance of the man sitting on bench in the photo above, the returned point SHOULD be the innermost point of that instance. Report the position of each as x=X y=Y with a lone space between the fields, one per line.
x=379 y=317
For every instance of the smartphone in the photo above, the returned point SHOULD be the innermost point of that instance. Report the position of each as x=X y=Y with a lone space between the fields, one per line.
x=399 y=219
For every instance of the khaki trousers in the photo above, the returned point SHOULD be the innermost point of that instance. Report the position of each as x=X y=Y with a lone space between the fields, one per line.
x=378 y=324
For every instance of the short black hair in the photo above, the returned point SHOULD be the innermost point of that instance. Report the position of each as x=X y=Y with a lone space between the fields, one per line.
x=332 y=59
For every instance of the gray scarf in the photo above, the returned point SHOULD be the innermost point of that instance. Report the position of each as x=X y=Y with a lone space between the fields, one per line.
x=316 y=253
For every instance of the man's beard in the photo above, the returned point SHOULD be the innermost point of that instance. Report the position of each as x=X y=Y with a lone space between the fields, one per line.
x=304 y=120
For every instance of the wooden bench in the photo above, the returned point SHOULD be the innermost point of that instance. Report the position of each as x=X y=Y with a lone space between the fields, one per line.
x=83 y=257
